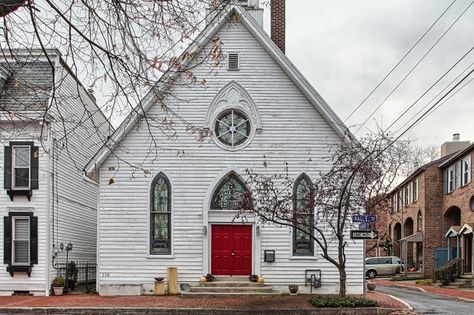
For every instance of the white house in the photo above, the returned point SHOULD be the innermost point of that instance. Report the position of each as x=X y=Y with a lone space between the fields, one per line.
x=168 y=197
x=47 y=138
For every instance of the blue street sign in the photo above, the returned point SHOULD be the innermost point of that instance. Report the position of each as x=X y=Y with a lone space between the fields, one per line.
x=364 y=218
x=364 y=226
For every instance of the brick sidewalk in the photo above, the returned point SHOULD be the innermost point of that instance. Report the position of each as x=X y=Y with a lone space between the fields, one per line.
x=242 y=303
x=464 y=294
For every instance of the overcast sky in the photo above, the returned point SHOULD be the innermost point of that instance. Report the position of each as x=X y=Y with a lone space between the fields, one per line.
x=345 y=48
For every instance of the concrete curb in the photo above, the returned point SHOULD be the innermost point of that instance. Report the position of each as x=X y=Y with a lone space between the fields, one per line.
x=176 y=311
x=452 y=297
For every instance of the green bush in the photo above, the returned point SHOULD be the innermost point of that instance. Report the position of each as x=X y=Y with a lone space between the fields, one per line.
x=404 y=278
x=339 y=301
x=58 y=282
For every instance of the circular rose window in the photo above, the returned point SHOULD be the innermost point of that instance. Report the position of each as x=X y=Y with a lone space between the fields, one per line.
x=232 y=128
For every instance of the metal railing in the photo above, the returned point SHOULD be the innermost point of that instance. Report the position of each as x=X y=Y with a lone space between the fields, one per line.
x=86 y=273
x=449 y=271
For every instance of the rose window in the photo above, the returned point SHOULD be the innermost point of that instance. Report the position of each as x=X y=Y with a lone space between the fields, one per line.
x=232 y=128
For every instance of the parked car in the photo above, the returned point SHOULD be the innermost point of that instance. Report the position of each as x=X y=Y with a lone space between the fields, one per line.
x=382 y=266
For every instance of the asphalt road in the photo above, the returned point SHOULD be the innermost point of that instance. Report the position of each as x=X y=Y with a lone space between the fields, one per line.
x=426 y=303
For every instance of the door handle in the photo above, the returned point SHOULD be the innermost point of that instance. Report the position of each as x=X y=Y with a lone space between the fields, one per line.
x=233 y=253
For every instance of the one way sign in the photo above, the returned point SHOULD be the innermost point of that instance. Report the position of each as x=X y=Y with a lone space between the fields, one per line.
x=364 y=235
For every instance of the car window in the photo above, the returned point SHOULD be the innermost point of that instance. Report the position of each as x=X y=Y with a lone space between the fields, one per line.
x=387 y=260
x=371 y=261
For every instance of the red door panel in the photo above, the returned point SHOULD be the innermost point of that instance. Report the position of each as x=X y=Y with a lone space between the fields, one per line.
x=231 y=250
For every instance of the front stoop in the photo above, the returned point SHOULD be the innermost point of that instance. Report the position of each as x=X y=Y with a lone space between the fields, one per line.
x=463 y=282
x=224 y=286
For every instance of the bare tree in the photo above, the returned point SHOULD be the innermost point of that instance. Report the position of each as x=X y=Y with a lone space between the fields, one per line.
x=122 y=48
x=361 y=174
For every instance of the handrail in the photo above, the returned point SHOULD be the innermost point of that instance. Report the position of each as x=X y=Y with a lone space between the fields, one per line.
x=449 y=271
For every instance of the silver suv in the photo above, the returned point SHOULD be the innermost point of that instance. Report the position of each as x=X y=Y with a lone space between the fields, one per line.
x=382 y=266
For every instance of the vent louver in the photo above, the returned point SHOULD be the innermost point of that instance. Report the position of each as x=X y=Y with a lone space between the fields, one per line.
x=233 y=61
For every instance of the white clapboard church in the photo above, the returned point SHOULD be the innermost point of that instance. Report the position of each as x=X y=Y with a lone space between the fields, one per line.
x=170 y=200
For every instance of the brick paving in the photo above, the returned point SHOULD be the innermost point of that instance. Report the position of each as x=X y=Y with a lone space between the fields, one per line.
x=465 y=294
x=176 y=302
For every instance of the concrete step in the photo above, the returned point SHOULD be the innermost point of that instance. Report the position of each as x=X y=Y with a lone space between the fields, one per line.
x=247 y=290
x=232 y=278
x=466 y=276
x=230 y=284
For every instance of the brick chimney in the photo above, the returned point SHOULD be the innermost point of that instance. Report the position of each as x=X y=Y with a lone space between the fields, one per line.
x=278 y=23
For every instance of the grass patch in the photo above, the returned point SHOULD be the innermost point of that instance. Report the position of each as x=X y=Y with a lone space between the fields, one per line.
x=424 y=282
x=339 y=301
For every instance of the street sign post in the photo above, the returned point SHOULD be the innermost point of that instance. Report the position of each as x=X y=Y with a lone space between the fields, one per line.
x=364 y=235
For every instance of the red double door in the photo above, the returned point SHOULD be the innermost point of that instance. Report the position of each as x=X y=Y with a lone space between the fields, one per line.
x=231 y=250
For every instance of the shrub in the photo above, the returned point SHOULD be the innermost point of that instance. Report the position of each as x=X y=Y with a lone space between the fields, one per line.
x=58 y=282
x=404 y=278
x=339 y=301
x=424 y=282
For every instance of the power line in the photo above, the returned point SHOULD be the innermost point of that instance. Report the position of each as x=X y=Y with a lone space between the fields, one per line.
x=442 y=103
x=431 y=87
x=400 y=61
x=414 y=67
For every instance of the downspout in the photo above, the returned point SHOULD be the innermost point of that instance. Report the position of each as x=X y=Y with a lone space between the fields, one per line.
x=48 y=210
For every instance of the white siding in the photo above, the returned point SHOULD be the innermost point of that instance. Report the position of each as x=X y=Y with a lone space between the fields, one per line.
x=20 y=281
x=73 y=199
x=293 y=132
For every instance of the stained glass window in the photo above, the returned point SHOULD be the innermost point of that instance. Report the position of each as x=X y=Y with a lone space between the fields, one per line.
x=160 y=216
x=232 y=128
x=231 y=194
x=303 y=217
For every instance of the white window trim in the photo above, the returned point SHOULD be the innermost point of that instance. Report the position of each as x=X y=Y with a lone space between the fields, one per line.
x=13 y=151
x=466 y=170
x=14 y=218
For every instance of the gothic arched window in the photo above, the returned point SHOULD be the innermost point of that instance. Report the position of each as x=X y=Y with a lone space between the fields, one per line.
x=160 y=216
x=231 y=194
x=303 y=214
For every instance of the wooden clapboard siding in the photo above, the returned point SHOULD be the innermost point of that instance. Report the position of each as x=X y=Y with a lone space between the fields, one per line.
x=293 y=131
x=75 y=217
x=37 y=282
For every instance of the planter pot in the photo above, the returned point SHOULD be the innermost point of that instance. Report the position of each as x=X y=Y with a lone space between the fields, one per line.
x=293 y=288
x=71 y=284
x=58 y=290
x=370 y=285
x=261 y=280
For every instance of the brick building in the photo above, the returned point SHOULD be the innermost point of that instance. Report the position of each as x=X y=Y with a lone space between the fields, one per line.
x=429 y=217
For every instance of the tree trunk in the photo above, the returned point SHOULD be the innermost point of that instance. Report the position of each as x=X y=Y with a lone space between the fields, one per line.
x=342 y=280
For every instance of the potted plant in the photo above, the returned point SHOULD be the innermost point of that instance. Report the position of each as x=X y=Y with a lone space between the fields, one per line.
x=253 y=278
x=209 y=277
x=293 y=288
x=58 y=285
x=72 y=272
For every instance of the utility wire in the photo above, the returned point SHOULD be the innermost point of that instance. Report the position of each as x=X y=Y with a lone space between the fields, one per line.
x=414 y=67
x=442 y=103
x=431 y=87
x=399 y=61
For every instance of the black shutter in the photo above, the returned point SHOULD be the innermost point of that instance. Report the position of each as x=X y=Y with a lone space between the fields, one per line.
x=34 y=240
x=34 y=167
x=446 y=183
x=7 y=175
x=7 y=240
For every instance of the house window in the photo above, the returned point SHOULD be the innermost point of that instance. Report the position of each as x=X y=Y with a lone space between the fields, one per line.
x=466 y=171
x=20 y=241
x=232 y=128
x=160 y=216
x=303 y=216
x=451 y=179
x=415 y=190
x=21 y=169
x=399 y=201
x=231 y=194
x=21 y=166
x=407 y=195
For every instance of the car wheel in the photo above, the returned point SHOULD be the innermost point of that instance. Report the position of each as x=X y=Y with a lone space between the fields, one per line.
x=371 y=274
